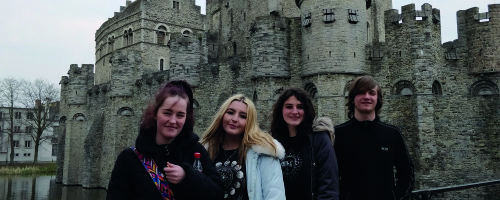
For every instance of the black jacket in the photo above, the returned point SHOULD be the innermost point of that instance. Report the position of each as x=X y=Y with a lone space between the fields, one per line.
x=320 y=172
x=367 y=153
x=130 y=180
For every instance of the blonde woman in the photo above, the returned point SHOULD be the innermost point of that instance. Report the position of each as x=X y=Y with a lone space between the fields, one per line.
x=245 y=156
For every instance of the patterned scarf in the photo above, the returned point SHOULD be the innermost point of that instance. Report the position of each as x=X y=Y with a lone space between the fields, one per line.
x=157 y=176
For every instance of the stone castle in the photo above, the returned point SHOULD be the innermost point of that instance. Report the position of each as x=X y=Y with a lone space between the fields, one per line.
x=444 y=97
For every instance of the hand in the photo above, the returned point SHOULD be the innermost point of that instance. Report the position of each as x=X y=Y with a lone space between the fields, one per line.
x=174 y=173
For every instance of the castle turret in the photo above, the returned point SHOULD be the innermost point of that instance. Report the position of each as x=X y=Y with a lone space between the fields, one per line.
x=270 y=47
x=413 y=44
x=414 y=56
x=127 y=67
x=185 y=58
x=334 y=36
x=78 y=82
x=479 y=32
x=74 y=107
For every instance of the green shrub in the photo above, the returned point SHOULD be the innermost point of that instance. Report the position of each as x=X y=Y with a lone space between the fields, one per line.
x=45 y=168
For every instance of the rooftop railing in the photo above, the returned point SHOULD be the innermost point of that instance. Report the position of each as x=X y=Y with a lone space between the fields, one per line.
x=427 y=194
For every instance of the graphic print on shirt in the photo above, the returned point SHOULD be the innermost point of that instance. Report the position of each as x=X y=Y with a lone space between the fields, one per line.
x=291 y=165
x=233 y=179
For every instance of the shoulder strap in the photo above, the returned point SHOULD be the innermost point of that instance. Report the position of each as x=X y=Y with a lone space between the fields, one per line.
x=156 y=175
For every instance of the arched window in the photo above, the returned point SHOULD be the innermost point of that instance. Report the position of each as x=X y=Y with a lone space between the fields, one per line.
x=111 y=44
x=161 y=34
x=277 y=94
x=404 y=88
x=161 y=65
x=62 y=120
x=368 y=39
x=130 y=36
x=255 y=97
x=483 y=88
x=195 y=104
x=186 y=32
x=125 y=111
x=436 y=88
x=101 y=50
x=347 y=87
x=125 y=38
x=311 y=90
x=79 y=117
x=234 y=48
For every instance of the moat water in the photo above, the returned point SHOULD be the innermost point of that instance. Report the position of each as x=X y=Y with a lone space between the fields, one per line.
x=44 y=188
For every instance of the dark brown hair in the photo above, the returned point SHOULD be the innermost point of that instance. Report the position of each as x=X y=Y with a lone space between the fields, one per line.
x=361 y=85
x=171 y=89
x=279 y=128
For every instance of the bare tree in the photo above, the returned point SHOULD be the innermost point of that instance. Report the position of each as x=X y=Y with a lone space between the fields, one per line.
x=10 y=95
x=40 y=99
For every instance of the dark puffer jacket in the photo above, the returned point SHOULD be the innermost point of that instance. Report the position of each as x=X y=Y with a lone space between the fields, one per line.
x=130 y=180
x=320 y=172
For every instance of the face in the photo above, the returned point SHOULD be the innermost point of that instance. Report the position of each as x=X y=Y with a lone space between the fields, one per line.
x=366 y=102
x=293 y=111
x=170 y=119
x=235 y=118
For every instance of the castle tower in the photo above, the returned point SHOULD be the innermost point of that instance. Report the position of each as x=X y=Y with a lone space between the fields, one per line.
x=146 y=27
x=270 y=47
x=413 y=54
x=479 y=32
x=74 y=89
x=186 y=57
x=127 y=67
x=334 y=36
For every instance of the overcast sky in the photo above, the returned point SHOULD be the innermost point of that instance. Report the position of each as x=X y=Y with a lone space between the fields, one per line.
x=40 y=39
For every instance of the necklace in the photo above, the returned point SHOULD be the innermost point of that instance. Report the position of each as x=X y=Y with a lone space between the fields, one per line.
x=227 y=159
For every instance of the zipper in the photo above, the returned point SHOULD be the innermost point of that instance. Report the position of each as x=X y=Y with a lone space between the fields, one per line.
x=312 y=167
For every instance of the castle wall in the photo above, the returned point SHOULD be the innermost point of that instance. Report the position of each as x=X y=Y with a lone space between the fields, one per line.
x=446 y=107
x=434 y=124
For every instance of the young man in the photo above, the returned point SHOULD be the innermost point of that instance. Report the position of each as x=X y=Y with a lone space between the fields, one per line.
x=368 y=150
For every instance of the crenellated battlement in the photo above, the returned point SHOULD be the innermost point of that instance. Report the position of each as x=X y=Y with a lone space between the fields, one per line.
x=75 y=85
x=414 y=33
x=85 y=70
x=479 y=34
x=410 y=15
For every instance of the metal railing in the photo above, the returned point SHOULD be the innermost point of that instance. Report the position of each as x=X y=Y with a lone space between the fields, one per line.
x=427 y=194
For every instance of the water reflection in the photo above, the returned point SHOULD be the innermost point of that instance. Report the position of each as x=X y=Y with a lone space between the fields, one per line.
x=44 y=188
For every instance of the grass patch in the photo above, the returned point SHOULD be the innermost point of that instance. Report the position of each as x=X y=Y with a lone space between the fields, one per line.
x=45 y=168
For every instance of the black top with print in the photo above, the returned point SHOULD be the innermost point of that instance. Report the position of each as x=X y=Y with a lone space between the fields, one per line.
x=291 y=165
x=233 y=175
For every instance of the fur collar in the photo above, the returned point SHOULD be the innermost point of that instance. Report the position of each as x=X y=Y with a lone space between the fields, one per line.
x=280 y=153
x=324 y=124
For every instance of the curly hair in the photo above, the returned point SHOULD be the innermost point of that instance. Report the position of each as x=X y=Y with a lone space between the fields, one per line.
x=279 y=127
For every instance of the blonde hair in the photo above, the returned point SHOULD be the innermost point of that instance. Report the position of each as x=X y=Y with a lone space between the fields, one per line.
x=253 y=135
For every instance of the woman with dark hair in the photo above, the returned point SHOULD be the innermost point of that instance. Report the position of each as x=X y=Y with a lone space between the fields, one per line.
x=160 y=165
x=309 y=166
